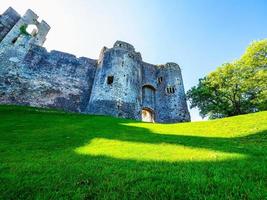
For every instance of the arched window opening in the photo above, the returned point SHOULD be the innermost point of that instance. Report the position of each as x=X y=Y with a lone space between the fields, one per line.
x=148 y=96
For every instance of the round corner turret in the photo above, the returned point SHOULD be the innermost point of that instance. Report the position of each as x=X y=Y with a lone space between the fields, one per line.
x=173 y=65
x=123 y=45
x=128 y=49
x=116 y=90
x=171 y=100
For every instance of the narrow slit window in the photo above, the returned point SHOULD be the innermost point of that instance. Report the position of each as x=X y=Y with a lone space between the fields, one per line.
x=160 y=79
x=170 y=90
x=14 y=40
x=167 y=90
x=110 y=80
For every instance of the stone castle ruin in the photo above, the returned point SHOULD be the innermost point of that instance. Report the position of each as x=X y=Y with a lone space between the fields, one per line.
x=119 y=83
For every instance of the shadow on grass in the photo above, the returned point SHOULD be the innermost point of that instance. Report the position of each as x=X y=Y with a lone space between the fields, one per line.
x=249 y=145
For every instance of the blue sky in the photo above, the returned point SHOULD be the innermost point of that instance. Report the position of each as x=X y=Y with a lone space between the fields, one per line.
x=198 y=35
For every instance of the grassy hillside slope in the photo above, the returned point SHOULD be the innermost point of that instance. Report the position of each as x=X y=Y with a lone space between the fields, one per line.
x=48 y=154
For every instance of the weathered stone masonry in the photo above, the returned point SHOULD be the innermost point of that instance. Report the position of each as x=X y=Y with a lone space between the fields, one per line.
x=119 y=83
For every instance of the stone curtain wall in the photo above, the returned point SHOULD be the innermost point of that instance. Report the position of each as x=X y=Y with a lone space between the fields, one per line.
x=55 y=79
x=119 y=83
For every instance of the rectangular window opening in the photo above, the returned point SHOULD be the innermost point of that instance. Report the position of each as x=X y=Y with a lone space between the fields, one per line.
x=110 y=80
x=170 y=90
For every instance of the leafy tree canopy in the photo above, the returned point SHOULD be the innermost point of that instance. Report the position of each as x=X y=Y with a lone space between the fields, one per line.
x=234 y=88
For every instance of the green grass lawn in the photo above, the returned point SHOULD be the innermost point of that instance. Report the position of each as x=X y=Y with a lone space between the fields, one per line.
x=48 y=154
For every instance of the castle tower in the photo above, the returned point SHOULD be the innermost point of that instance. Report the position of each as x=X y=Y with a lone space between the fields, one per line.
x=170 y=98
x=117 y=86
x=20 y=38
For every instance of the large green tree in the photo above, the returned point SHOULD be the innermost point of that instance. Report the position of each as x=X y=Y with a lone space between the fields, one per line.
x=234 y=88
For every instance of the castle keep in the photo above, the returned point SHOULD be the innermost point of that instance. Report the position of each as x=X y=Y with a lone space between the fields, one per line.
x=118 y=83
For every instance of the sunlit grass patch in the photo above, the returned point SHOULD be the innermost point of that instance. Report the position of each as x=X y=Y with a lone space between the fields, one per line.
x=152 y=152
x=230 y=127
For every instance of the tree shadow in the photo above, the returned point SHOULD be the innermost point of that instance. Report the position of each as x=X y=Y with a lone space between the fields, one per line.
x=210 y=179
x=248 y=145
